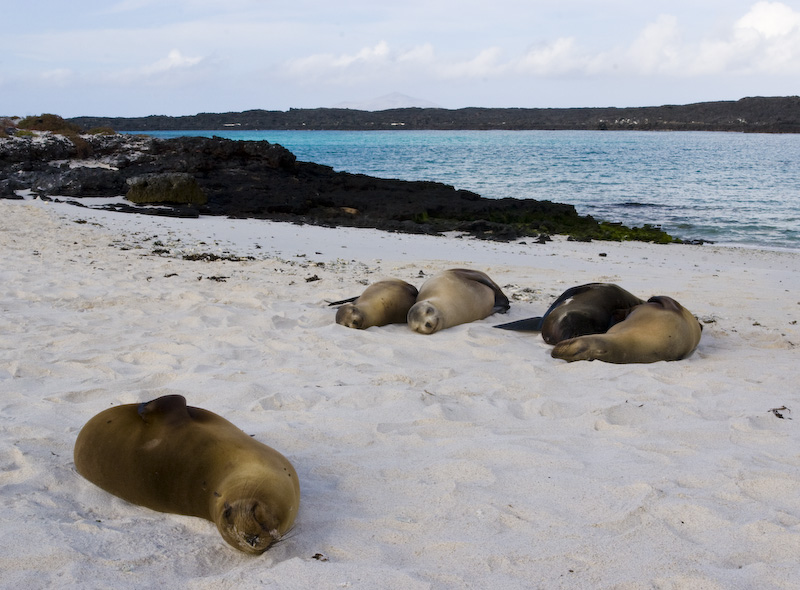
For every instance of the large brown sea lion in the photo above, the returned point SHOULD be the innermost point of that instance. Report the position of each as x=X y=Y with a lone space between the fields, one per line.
x=382 y=303
x=453 y=297
x=586 y=309
x=174 y=458
x=659 y=330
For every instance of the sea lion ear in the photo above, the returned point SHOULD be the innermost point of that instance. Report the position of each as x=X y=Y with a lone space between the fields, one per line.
x=163 y=406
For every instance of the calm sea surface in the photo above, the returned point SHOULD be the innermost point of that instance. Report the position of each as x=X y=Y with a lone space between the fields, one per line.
x=729 y=188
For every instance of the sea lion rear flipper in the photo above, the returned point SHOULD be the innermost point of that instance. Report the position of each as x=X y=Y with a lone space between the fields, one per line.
x=526 y=325
x=501 y=307
x=343 y=301
x=501 y=302
x=168 y=405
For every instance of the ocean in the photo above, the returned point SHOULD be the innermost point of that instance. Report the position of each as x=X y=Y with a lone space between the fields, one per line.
x=728 y=188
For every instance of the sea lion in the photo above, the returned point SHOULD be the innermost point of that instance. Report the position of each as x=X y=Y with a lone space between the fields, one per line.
x=382 y=303
x=175 y=458
x=586 y=309
x=453 y=297
x=659 y=330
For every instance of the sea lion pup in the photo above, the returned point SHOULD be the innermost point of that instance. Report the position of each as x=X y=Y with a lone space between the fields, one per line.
x=453 y=297
x=382 y=303
x=586 y=309
x=659 y=330
x=174 y=458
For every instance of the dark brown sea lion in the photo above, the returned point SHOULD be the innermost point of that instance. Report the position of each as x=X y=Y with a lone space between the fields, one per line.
x=382 y=303
x=659 y=330
x=453 y=297
x=175 y=458
x=586 y=309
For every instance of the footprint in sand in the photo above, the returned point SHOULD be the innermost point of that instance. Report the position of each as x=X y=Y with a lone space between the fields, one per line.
x=14 y=467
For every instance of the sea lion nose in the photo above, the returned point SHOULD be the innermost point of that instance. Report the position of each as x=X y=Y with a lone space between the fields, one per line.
x=252 y=540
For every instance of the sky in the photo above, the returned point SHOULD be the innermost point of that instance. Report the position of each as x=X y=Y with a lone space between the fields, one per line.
x=182 y=57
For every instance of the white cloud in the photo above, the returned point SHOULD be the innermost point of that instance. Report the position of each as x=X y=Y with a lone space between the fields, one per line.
x=422 y=54
x=657 y=49
x=559 y=57
x=326 y=61
x=485 y=64
x=770 y=20
x=175 y=60
x=173 y=64
x=765 y=40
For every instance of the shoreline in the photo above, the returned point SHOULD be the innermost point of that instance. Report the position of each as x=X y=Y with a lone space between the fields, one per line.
x=255 y=179
x=749 y=114
x=104 y=212
x=469 y=457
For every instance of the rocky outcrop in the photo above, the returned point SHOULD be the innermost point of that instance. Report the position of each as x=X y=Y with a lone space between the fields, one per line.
x=178 y=188
x=257 y=179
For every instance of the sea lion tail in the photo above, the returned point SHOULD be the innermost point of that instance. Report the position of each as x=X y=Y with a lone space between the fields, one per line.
x=343 y=301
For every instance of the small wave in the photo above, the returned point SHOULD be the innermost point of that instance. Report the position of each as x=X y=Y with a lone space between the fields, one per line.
x=636 y=204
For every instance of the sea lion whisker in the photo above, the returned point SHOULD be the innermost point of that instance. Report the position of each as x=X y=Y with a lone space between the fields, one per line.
x=289 y=534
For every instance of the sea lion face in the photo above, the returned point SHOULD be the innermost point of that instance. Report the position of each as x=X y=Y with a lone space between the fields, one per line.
x=350 y=316
x=586 y=348
x=424 y=318
x=249 y=525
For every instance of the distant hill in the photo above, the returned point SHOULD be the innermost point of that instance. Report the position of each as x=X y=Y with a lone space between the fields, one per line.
x=394 y=100
x=755 y=114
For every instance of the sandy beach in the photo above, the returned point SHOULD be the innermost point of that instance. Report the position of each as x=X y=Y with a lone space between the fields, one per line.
x=465 y=459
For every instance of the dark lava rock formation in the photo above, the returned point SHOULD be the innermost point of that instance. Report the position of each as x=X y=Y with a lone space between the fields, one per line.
x=755 y=114
x=257 y=179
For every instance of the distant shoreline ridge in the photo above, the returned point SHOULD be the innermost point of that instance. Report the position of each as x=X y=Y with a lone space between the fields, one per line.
x=749 y=115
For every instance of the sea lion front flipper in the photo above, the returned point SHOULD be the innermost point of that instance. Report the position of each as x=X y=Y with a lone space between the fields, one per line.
x=501 y=302
x=343 y=301
x=167 y=405
x=526 y=325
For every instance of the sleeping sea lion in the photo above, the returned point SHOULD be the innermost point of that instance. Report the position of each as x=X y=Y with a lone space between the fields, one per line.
x=174 y=458
x=382 y=303
x=453 y=297
x=586 y=309
x=659 y=330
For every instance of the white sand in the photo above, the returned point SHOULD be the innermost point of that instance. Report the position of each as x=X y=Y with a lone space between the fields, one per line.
x=466 y=459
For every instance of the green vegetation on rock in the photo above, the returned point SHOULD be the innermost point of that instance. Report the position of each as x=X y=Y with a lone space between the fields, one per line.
x=169 y=187
x=56 y=124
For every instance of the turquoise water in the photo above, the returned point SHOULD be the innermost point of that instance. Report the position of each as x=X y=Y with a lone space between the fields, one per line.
x=725 y=187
